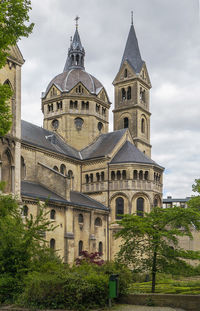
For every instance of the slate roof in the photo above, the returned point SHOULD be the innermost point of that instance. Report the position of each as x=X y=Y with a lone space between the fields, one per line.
x=173 y=200
x=68 y=79
x=103 y=145
x=84 y=200
x=37 y=191
x=131 y=154
x=132 y=52
x=40 y=137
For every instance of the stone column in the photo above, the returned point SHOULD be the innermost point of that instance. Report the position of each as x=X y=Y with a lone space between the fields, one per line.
x=13 y=179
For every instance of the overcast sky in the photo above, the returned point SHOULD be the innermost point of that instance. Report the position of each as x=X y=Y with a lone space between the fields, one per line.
x=168 y=36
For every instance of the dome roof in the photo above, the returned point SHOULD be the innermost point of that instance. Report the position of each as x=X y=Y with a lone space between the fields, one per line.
x=68 y=79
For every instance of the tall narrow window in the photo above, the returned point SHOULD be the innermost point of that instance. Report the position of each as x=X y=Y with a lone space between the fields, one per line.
x=143 y=125
x=100 y=248
x=123 y=174
x=91 y=177
x=86 y=178
x=119 y=207
x=80 y=218
x=125 y=122
x=146 y=175
x=140 y=207
x=123 y=94
x=25 y=210
x=52 y=243
x=63 y=169
x=52 y=214
x=118 y=175
x=98 y=222
x=135 y=174
x=80 y=247
x=23 y=169
x=98 y=176
x=125 y=73
x=155 y=203
x=140 y=175
x=112 y=175
x=102 y=176
x=129 y=93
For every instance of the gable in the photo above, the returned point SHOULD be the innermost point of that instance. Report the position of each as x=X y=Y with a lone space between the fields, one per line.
x=126 y=137
x=144 y=75
x=126 y=72
x=53 y=91
x=16 y=55
x=103 y=95
x=79 y=88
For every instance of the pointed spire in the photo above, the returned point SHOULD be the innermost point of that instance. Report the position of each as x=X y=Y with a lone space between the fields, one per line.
x=76 y=52
x=132 y=51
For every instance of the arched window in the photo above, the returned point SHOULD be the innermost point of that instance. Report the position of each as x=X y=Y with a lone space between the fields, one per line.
x=123 y=174
x=77 y=59
x=100 y=248
x=91 y=177
x=86 y=178
x=52 y=214
x=112 y=175
x=118 y=175
x=140 y=207
x=140 y=175
x=98 y=222
x=119 y=207
x=25 y=210
x=125 y=122
x=155 y=202
x=102 y=176
x=129 y=93
x=23 y=169
x=135 y=174
x=70 y=174
x=80 y=218
x=98 y=176
x=78 y=123
x=52 y=243
x=146 y=175
x=143 y=125
x=80 y=247
x=123 y=94
x=55 y=168
x=63 y=169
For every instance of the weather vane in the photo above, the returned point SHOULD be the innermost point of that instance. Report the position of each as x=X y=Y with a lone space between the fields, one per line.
x=76 y=19
x=131 y=17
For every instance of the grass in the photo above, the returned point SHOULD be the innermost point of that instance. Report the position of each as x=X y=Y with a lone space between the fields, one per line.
x=168 y=285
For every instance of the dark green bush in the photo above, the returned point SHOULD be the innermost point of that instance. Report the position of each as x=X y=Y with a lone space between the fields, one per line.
x=74 y=289
x=10 y=287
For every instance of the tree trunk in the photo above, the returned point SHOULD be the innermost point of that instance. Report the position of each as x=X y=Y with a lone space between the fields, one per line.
x=154 y=270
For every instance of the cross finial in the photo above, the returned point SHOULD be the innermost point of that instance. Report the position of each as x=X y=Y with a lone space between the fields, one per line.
x=76 y=19
x=131 y=17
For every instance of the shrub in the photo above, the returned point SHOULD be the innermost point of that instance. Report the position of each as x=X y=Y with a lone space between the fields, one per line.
x=73 y=289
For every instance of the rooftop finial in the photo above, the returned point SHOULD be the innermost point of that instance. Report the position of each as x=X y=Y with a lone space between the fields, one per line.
x=76 y=19
x=131 y=17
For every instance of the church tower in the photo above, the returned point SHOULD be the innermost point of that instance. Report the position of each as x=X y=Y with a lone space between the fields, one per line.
x=75 y=104
x=132 y=87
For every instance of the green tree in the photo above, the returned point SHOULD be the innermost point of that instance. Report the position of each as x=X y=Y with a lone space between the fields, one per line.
x=194 y=202
x=21 y=244
x=151 y=243
x=13 y=26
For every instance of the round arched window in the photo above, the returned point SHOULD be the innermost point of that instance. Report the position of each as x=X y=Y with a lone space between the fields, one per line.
x=78 y=123
x=100 y=126
x=55 y=124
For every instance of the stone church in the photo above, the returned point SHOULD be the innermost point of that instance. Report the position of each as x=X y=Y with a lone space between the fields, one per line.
x=87 y=176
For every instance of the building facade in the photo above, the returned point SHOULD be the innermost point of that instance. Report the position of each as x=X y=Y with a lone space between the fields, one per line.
x=88 y=176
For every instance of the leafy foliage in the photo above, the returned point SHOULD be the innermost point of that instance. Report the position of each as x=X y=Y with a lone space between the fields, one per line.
x=21 y=244
x=13 y=26
x=152 y=242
